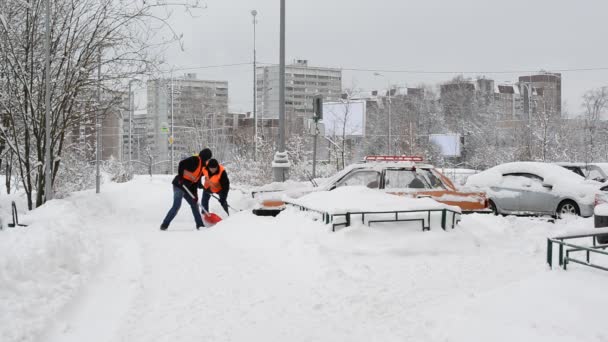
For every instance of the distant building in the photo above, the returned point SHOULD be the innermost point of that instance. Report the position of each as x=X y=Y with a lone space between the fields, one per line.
x=302 y=82
x=199 y=110
x=547 y=87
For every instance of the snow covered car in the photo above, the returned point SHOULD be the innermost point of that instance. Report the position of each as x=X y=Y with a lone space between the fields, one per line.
x=601 y=212
x=533 y=188
x=593 y=171
x=399 y=175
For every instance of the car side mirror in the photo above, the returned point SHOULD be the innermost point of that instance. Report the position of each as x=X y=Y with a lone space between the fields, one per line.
x=548 y=186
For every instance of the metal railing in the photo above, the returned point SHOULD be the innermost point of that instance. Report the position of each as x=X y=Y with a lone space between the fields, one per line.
x=329 y=218
x=15 y=217
x=566 y=248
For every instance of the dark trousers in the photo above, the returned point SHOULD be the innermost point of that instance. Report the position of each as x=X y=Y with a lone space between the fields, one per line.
x=178 y=195
x=222 y=197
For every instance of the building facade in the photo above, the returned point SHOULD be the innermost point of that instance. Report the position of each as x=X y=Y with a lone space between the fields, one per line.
x=194 y=110
x=302 y=83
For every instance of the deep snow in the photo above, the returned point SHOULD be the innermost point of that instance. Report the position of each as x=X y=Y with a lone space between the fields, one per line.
x=96 y=268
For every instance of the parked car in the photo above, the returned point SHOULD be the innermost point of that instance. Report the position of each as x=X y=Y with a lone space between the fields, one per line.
x=532 y=188
x=592 y=171
x=399 y=175
x=601 y=212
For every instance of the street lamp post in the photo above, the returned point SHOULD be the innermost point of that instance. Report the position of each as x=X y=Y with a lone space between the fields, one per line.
x=48 y=189
x=131 y=110
x=98 y=126
x=172 y=138
x=254 y=13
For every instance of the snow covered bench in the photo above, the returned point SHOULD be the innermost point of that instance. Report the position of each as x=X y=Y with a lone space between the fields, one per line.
x=346 y=204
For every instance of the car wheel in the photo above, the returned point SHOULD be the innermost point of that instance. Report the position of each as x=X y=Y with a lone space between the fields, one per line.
x=567 y=208
x=493 y=208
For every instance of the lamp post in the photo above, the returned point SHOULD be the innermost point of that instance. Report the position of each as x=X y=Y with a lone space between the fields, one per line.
x=131 y=110
x=98 y=126
x=389 y=114
x=48 y=189
x=254 y=13
x=280 y=164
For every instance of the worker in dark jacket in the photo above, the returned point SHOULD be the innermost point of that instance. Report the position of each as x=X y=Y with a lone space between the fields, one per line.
x=216 y=182
x=189 y=175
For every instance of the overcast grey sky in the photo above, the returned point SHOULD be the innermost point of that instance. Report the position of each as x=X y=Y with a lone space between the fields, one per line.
x=430 y=35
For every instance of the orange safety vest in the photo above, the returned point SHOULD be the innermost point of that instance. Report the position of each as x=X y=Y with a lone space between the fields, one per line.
x=195 y=176
x=213 y=183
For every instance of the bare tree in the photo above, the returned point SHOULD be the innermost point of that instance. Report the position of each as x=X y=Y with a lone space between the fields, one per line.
x=595 y=103
x=86 y=36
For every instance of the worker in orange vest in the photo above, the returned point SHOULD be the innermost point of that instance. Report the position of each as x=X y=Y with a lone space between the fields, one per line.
x=216 y=182
x=190 y=172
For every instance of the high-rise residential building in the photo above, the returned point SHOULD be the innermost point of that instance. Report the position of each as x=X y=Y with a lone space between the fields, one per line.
x=547 y=87
x=195 y=110
x=141 y=136
x=302 y=83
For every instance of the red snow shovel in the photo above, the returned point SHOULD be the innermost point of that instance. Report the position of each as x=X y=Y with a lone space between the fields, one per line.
x=210 y=219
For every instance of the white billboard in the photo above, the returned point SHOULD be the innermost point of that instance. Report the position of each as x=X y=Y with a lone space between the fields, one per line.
x=448 y=143
x=348 y=116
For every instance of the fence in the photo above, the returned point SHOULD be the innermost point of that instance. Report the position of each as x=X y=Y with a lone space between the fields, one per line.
x=568 y=248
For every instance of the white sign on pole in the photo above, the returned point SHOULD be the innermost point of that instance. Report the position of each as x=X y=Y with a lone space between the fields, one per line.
x=448 y=143
x=347 y=116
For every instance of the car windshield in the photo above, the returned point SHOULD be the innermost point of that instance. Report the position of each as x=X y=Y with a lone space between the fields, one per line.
x=404 y=179
x=368 y=178
x=431 y=179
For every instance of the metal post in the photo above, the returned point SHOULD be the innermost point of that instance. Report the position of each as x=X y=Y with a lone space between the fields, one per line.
x=48 y=189
x=282 y=81
x=389 y=121
x=280 y=164
x=171 y=138
x=254 y=13
x=130 y=127
x=98 y=126
x=314 y=151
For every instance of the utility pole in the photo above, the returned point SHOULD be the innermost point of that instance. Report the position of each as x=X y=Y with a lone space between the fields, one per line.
x=282 y=81
x=98 y=126
x=254 y=13
x=48 y=188
x=280 y=164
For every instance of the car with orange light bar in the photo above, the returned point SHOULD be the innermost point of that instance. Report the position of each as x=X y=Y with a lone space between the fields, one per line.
x=398 y=175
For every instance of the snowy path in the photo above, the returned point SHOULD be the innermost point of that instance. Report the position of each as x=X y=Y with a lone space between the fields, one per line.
x=290 y=279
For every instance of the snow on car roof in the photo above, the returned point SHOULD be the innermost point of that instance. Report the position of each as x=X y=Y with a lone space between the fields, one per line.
x=376 y=166
x=549 y=172
x=563 y=180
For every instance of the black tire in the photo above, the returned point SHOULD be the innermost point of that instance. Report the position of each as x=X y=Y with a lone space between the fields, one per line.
x=567 y=207
x=493 y=207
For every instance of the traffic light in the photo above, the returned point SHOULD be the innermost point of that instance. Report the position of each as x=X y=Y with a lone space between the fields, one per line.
x=317 y=104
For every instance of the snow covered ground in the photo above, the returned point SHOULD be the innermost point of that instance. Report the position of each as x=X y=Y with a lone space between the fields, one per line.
x=97 y=268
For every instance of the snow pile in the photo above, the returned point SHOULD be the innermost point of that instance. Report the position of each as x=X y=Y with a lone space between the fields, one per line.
x=359 y=198
x=41 y=267
x=287 y=278
x=563 y=181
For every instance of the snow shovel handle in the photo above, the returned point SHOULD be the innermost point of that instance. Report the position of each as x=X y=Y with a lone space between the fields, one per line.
x=192 y=196
x=217 y=198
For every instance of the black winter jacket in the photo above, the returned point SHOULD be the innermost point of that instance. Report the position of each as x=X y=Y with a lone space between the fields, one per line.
x=189 y=164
